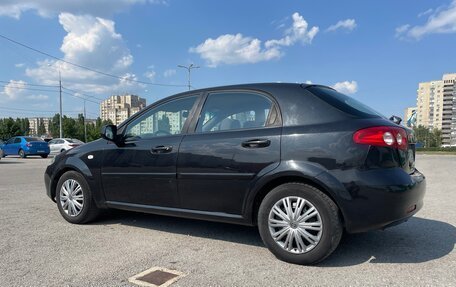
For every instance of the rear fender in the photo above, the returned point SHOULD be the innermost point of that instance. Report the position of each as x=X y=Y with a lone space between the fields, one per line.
x=308 y=172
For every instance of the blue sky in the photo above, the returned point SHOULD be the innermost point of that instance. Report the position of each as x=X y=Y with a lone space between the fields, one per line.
x=376 y=51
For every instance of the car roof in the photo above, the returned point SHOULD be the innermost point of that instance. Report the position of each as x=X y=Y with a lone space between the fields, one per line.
x=265 y=87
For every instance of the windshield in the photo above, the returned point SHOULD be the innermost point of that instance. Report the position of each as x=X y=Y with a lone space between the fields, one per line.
x=343 y=102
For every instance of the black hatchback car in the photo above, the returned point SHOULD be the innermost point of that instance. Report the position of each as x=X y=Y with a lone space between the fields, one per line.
x=302 y=162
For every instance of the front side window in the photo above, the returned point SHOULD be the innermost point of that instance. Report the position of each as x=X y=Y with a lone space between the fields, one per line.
x=166 y=119
x=232 y=111
x=10 y=141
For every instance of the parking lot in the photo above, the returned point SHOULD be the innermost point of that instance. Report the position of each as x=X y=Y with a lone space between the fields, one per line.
x=39 y=248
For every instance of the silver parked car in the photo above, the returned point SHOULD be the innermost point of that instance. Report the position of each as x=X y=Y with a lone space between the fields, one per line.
x=63 y=144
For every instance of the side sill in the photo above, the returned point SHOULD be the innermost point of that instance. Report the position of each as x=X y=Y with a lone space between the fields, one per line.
x=180 y=212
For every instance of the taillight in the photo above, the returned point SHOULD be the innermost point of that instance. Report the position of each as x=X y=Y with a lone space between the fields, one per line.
x=382 y=136
x=73 y=145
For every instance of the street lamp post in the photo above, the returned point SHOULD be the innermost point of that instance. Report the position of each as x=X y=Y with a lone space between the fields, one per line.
x=189 y=68
x=60 y=92
x=60 y=101
x=85 y=122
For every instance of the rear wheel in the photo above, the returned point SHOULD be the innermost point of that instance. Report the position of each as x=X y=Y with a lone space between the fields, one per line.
x=74 y=198
x=299 y=223
x=22 y=153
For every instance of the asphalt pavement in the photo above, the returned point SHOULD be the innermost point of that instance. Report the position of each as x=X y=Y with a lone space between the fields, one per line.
x=39 y=248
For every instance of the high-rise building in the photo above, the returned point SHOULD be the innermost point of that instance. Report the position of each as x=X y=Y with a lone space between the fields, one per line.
x=118 y=108
x=436 y=107
x=34 y=124
x=449 y=110
x=429 y=104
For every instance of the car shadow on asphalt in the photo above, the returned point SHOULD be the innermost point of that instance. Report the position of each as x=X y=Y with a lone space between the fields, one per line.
x=10 y=162
x=416 y=241
x=199 y=228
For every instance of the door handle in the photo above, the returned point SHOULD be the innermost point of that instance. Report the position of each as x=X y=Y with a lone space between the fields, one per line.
x=256 y=143
x=162 y=149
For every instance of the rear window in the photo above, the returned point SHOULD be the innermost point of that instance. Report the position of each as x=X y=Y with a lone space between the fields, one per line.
x=75 y=141
x=29 y=139
x=343 y=102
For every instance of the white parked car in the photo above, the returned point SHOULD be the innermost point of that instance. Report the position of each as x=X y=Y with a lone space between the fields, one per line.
x=61 y=145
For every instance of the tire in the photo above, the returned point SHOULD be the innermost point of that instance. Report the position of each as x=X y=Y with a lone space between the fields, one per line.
x=321 y=243
x=22 y=153
x=44 y=155
x=89 y=210
x=62 y=150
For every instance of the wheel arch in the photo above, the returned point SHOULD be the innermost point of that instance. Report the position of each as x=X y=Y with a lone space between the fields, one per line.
x=309 y=174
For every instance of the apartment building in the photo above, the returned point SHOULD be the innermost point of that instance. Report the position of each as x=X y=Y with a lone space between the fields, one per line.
x=436 y=107
x=118 y=108
x=34 y=124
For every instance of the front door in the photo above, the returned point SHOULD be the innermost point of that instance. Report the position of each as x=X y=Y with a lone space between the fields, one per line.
x=9 y=146
x=143 y=169
x=236 y=141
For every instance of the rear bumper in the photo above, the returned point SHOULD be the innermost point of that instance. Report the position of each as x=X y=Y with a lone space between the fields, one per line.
x=36 y=151
x=383 y=198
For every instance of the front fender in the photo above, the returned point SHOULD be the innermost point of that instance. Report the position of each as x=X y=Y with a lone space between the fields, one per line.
x=77 y=164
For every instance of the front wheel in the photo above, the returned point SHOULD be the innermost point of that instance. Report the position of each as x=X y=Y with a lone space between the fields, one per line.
x=74 y=198
x=299 y=223
x=44 y=155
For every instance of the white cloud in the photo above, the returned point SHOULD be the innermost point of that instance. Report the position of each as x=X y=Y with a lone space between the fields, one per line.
x=238 y=49
x=19 y=65
x=297 y=32
x=424 y=13
x=347 y=24
x=38 y=97
x=346 y=87
x=13 y=90
x=150 y=75
x=401 y=29
x=91 y=42
x=440 y=21
x=51 y=8
x=169 y=73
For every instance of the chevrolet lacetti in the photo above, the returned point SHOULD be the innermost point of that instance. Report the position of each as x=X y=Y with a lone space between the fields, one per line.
x=301 y=162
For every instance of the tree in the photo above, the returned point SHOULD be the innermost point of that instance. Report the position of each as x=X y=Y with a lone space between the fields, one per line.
x=429 y=138
x=41 y=129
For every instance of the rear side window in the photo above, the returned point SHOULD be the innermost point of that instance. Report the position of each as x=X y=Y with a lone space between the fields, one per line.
x=343 y=102
x=17 y=140
x=234 y=111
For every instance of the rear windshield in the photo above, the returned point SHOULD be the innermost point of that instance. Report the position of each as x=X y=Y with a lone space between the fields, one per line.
x=343 y=102
x=28 y=139
x=76 y=141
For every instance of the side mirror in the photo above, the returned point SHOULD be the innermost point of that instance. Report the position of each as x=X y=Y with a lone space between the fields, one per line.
x=109 y=132
x=395 y=119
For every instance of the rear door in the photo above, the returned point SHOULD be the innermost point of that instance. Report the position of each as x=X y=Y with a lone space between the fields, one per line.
x=143 y=169
x=235 y=141
x=9 y=146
